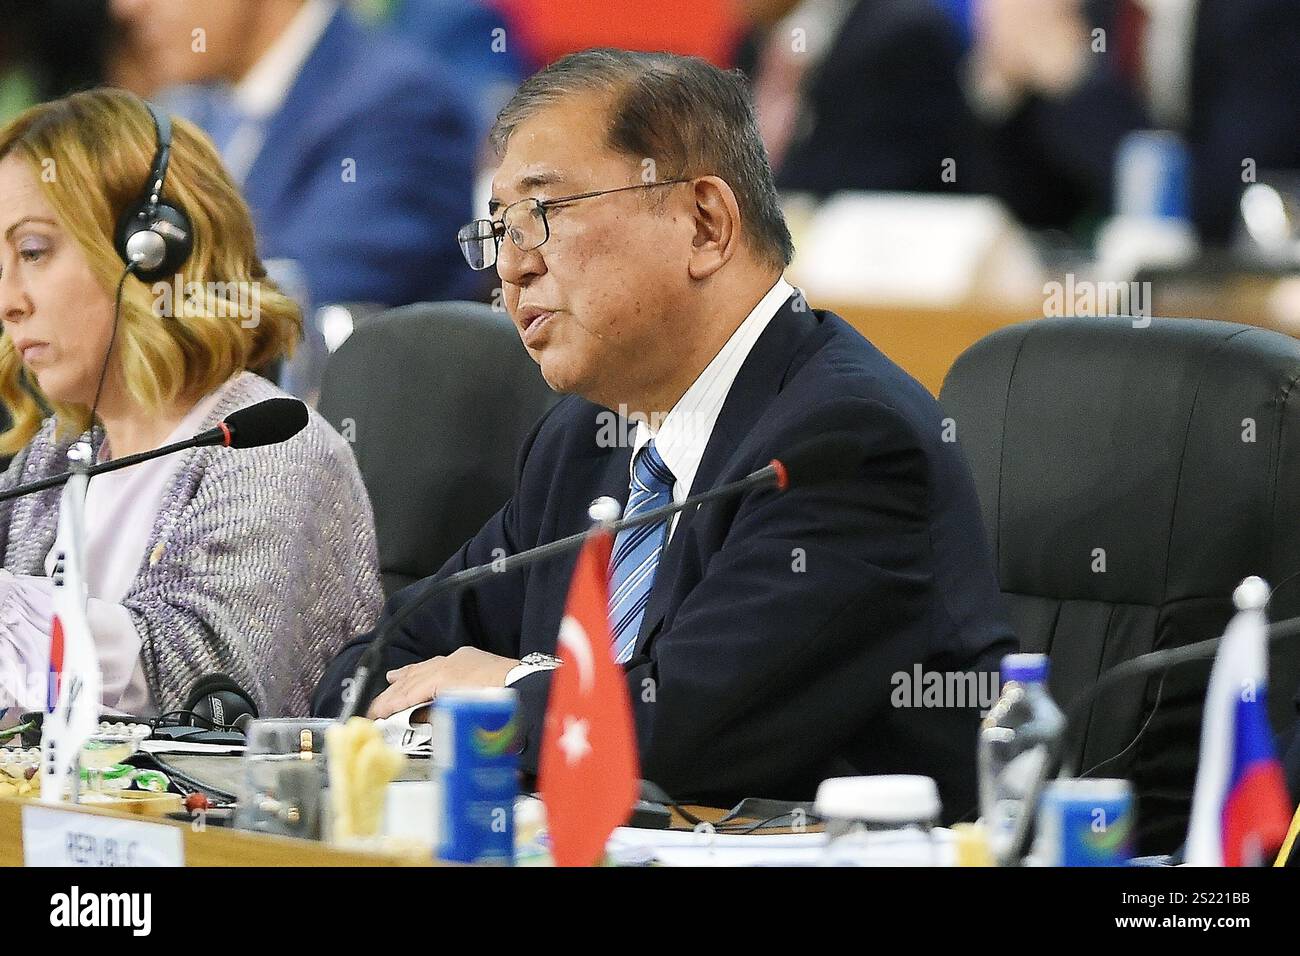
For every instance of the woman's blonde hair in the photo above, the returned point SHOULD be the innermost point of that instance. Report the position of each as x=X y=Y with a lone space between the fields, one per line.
x=91 y=154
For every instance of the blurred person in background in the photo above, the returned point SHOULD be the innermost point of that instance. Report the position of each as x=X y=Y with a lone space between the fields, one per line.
x=856 y=94
x=1054 y=106
x=255 y=563
x=471 y=39
x=353 y=148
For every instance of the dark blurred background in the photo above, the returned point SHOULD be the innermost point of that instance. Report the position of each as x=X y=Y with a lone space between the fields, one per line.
x=948 y=166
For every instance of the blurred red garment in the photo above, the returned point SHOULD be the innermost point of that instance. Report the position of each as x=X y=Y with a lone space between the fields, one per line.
x=548 y=29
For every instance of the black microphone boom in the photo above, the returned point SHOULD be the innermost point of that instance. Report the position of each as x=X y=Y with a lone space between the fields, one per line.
x=266 y=423
x=824 y=458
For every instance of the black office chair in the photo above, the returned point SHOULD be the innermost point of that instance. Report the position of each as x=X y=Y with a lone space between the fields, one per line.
x=437 y=398
x=1130 y=478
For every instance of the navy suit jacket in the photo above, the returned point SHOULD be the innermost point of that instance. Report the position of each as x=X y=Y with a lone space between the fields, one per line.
x=884 y=108
x=388 y=234
x=767 y=656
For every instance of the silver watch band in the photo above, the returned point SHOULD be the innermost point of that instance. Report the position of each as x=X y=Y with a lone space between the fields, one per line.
x=531 y=664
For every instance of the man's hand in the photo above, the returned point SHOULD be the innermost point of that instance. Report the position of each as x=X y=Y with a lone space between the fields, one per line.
x=416 y=683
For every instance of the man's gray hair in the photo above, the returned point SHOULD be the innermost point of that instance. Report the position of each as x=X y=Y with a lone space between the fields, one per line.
x=685 y=114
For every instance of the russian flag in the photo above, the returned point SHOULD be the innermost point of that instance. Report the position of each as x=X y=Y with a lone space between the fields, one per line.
x=1240 y=809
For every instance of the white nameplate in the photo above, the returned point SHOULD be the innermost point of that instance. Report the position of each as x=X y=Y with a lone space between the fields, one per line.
x=62 y=838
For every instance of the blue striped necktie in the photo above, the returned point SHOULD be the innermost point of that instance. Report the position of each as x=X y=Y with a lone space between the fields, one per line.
x=636 y=550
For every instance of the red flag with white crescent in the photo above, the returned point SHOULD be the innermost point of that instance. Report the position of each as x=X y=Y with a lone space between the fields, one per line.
x=588 y=769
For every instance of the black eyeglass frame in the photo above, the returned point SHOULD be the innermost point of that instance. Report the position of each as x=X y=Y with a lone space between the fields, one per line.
x=498 y=225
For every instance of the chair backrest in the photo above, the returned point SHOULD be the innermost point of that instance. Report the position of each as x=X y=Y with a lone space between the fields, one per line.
x=1130 y=477
x=436 y=399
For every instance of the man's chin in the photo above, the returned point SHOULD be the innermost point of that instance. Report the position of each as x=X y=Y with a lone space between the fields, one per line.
x=561 y=376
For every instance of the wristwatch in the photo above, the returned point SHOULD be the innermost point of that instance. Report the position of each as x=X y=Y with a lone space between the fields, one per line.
x=531 y=664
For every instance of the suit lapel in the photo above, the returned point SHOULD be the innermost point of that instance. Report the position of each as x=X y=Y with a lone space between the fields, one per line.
x=759 y=380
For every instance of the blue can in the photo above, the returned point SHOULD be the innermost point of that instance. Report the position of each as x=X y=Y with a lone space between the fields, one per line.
x=476 y=774
x=1086 y=823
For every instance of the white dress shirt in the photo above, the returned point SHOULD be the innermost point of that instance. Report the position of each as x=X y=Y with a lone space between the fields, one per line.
x=684 y=432
x=264 y=88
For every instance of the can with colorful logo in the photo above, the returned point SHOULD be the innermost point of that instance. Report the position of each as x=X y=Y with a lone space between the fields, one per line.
x=1086 y=823
x=476 y=774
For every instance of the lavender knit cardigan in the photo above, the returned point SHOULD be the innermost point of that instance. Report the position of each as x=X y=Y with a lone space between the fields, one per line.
x=261 y=563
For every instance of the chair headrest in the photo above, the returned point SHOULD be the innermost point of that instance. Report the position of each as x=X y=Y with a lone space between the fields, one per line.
x=1136 y=464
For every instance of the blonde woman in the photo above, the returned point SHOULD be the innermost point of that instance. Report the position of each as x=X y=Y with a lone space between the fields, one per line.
x=256 y=563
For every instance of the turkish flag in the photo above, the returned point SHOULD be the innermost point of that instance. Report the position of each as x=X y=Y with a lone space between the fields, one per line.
x=588 y=768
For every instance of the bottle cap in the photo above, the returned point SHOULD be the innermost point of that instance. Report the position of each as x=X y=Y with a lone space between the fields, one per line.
x=1024 y=668
x=891 y=798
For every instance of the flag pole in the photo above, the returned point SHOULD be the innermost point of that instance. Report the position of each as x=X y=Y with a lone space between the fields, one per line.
x=73 y=689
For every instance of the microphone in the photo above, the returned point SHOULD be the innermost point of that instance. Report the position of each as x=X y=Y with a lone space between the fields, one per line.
x=837 y=455
x=269 y=422
x=266 y=423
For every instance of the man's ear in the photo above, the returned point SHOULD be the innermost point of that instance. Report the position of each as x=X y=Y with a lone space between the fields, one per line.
x=717 y=226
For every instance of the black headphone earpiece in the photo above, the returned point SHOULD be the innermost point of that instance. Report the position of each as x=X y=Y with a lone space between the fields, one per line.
x=217 y=701
x=151 y=235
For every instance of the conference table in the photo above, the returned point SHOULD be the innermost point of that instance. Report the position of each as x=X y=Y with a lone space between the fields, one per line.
x=205 y=846
x=214 y=846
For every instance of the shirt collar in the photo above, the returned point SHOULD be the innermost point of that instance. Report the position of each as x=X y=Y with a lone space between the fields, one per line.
x=264 y=88
x=684 y=433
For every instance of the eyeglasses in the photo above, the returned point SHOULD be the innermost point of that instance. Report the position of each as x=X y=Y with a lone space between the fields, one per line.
x=525 y=223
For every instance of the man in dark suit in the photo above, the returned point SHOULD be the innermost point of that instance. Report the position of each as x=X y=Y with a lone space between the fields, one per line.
x=353 y=150
x=858 y=95
x=765 y=638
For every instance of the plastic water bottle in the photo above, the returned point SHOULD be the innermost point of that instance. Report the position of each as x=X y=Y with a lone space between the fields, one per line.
x=1016 y=739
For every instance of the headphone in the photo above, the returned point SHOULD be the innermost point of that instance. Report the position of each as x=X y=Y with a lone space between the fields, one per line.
x=217 y=702
x=153 y=238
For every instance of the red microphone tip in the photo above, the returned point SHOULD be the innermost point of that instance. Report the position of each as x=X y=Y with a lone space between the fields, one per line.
x=782 y=476
x=225 y=430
